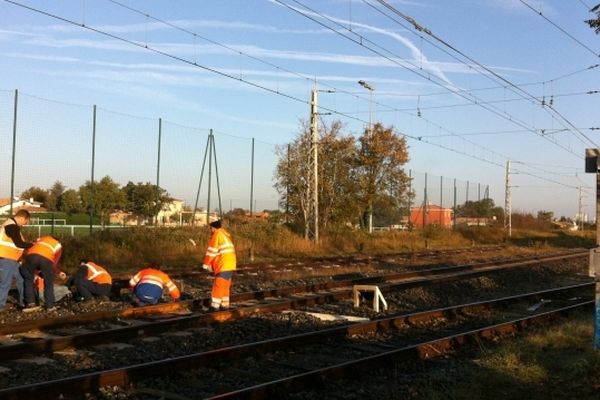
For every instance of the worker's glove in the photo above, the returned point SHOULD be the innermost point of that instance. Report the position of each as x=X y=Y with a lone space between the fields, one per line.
x=207 y=268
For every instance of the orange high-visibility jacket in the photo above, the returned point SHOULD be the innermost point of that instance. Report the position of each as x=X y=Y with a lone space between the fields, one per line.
x=155 y=277
x=47 y=247
x=220 y=254
x=8 y=249
x=97 y=274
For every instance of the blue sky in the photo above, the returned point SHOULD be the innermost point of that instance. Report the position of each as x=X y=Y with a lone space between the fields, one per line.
x=484 y=82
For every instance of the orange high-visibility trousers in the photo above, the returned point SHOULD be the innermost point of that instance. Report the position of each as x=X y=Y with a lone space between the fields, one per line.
x=220 y=292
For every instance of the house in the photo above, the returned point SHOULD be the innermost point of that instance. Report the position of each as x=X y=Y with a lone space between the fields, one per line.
x=120 y=217
x=257 y=216
x=170 y=212
x=18 y=204
x=431 y=214
x=474 y=221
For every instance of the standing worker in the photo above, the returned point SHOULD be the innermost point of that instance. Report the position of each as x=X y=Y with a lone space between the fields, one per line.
x=12 y=245
x=44 y=256
x=91 y=280
x=220 y=259
x=147 y=286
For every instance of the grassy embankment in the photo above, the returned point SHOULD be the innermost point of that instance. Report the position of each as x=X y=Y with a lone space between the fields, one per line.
x=132 y=248
x=556 y=363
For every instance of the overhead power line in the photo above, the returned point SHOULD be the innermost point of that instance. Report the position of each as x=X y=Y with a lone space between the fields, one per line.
x=393 y=58
x=239 y=79
x=560 y=29
x=497 y=87
x=491 y=72
x=213 y=70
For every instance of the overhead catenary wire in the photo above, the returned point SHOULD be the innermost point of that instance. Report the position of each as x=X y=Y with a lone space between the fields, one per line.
x=490 y=71
x=187 y=31
x=512 y=100
x=195 y=64
x=495 y=87
x=213 y=70
x=363 y=41
x=570 y=36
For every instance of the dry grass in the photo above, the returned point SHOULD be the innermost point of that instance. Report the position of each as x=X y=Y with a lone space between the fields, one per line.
x=133 y=248
x=551 y=363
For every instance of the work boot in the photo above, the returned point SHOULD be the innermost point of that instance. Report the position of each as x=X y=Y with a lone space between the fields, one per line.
x=30 y=308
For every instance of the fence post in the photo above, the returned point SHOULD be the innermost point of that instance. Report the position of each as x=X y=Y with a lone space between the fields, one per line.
x=158 y=171
x=14 y=147
x=441 y=191
x=92 y=183
x=409 y=197
x=425 y=203
x=252 y=180
x=467 y=199
x=454 y=213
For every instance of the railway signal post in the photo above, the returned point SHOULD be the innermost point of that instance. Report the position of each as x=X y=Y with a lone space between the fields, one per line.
x=592 y=165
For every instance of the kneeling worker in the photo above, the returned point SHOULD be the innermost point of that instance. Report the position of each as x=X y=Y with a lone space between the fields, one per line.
x=147 y=286
x=44 y=256
x=91 y=280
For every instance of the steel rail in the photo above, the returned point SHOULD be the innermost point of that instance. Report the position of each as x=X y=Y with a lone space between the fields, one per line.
x=125 y=375
x=425 y=350
x=269 y=265
x=334 y=292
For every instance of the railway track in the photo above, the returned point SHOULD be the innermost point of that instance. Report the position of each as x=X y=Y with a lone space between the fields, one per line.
x=296 y=362
x=72 y=333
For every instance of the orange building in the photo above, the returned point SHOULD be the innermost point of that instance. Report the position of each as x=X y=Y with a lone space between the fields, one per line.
x=431 y=215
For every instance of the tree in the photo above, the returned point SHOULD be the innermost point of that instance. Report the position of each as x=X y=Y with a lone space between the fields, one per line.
x=144 y=200
x=595 y=23
x=294 y=171
x=484 y=208
x=545 y=215
x=102 y=197
x=379 y=171
x=37 y=194
x=336 y=186
x=70 y=202
x=54 y=199
x=292 y=178
x=353 y=176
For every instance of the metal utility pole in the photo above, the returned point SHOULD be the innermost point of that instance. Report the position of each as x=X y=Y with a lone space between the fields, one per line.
x=314 y=181
x=210 y=152
x=592 y=165
x=93 y=184
x=507 y=202
x=371 y=89
x=580 y=212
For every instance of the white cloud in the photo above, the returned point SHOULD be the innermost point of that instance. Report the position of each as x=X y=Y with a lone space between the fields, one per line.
x=188 y=25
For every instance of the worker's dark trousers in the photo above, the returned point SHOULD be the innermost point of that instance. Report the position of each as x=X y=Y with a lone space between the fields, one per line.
x=32 y=263
x=88 y=289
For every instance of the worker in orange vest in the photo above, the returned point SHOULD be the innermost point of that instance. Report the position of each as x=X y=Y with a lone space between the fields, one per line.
x=44 y=256
x=60 y=290
x=12 y=245
x=148 y=284
x=91 y=280
x=220 y=259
